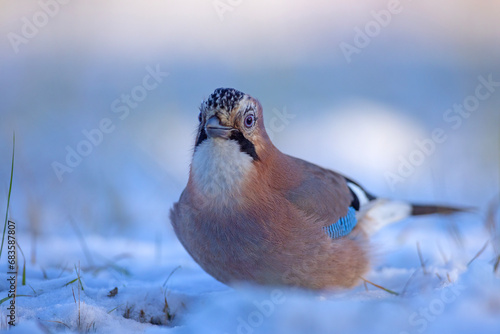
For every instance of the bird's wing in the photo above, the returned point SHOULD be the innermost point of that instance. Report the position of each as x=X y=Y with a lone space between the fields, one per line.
x=322 y=194
x=336 y=203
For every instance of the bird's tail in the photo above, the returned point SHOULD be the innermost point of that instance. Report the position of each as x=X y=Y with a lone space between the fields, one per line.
x=381 y=212
x=421 y=210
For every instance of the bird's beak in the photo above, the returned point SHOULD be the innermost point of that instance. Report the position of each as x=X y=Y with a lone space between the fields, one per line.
x=214 y=129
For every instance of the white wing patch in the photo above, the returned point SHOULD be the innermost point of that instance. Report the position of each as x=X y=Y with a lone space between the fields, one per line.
x=382 y=212
x=360 y=193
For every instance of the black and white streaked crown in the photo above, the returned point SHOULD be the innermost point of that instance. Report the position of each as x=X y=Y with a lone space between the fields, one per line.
x=222 y=98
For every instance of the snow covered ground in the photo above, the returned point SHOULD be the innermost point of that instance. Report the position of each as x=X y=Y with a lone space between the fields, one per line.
x=447 y=294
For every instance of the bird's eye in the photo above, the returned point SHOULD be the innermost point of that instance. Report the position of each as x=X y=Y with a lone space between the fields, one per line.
x=199 y=117
x=249 y=121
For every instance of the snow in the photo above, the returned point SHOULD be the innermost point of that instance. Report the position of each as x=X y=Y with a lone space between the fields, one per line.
x=450 y=295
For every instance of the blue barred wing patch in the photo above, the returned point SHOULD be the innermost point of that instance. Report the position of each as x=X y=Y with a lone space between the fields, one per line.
x=343 y=226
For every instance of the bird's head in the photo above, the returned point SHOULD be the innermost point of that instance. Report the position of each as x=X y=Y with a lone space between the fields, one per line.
x=228 y=114
x=232 y=146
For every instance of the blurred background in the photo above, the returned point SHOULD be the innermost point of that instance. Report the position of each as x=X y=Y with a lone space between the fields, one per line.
x=352 y=86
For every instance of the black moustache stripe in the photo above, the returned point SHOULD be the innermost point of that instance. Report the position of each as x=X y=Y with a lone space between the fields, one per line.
x=246 y=146
x=201 y=138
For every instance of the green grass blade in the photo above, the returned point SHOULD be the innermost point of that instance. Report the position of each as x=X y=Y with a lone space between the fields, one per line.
x=24 y=274
x=9 y=298
x=70 y=282
x=116 y=308
x=78 y=277
x=10 y=190
x=24 y=263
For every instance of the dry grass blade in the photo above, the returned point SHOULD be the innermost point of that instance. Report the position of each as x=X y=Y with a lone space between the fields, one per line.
x=169 y=276
x=58 y=322
x=63 y=270
x=34 y=292
x=422 y=263
x=168 y=313
x=456 y=235
x=478 y=253
x=408 y=282
x=449 y=277
x=380 y=287
x=44 y=273
x=491 y=217
x=83 y=243
x=109 y=264
x=443 y=255
x=492 y=226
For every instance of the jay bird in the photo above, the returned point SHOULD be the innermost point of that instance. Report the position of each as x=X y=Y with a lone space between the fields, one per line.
x=250 y=213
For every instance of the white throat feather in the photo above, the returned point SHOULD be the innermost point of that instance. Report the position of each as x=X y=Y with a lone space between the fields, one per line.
x=219 y=168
